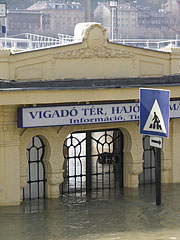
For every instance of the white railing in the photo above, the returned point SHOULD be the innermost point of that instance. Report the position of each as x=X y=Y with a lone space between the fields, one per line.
x=39 y=41
x=35 y=41
x=28 y=41
x=65 y=38
x=14 y=43
x=149 y=43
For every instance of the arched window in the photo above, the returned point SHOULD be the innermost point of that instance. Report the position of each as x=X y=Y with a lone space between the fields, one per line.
x=36 y=173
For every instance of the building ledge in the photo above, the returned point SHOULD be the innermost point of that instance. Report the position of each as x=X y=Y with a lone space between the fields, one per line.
x=69 y=84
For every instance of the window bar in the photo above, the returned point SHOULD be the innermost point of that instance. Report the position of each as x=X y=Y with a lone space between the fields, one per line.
x=38 y=162
x=44 y=182
x=109 y=169
x=44 y=175
x=144 y=173
x=103 y=176
x=68 y=171
x=23 y=194
x=151 y=167
x=88 y=161
x=80 y=174
x=29 y=180
x=75 y=169
x=109 y=176
x=105 y=135
x=97 y=172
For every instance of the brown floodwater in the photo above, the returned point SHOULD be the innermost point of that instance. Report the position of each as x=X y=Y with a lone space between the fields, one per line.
x=103 y=215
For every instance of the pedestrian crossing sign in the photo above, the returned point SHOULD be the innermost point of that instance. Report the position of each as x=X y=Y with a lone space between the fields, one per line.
x=154 y=112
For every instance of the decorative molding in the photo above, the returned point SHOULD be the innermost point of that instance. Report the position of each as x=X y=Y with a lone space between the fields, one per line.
x=9 y=135
x=83 y=53
x=135 y=168
x=36 y=70
x=55 y=177
x=151 y=68
x=94 y=45
x=5 y=53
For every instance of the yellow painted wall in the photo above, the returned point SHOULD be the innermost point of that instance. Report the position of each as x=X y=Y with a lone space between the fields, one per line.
x=95 y=57
x=78 y=62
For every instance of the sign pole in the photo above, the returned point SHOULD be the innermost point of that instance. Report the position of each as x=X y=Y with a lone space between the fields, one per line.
x=158 y=175
x=154 y=120
x=5 y=32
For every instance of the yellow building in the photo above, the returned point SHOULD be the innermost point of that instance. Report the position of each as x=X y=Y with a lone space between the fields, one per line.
x=52 y=92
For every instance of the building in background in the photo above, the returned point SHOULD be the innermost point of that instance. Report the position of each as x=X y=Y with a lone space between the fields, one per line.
x=155 y=20
x=59 y=17
x=172 y=6
x=125 y=20
x=102 y=14
x=46 y=18
x=22 y=21
x=116 y=18
x=121 y=20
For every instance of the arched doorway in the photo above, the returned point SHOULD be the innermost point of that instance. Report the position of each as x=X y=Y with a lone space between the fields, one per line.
x=93 y=160
x=36 y=172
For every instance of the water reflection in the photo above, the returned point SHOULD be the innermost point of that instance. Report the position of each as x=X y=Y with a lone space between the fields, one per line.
x=130 y=214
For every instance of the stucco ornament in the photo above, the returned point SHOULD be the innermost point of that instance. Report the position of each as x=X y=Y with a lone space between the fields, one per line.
x=136 y=168
x=94 y=44
x=5 y=53
x=95 y=37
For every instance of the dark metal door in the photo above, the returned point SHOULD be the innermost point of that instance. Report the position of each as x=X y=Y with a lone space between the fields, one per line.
x=93 y=161
x=148 y=174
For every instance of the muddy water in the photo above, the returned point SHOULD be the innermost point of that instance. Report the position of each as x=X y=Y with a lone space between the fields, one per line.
x=102 y=215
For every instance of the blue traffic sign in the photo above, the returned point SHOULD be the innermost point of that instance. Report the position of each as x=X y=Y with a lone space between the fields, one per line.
x=3 y=29
x=154 y=112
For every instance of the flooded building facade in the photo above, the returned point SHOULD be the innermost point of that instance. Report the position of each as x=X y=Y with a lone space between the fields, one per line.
x=87 y=87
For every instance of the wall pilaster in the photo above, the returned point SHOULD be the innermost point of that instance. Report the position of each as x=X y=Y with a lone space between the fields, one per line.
x=132 y=156
x=54 y=178
x=4 y=64
x=175 y=144
x=175 y=53
x=9 y=157
x=166 y=161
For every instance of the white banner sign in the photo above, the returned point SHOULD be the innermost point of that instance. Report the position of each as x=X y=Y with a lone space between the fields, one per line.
x=83 y=114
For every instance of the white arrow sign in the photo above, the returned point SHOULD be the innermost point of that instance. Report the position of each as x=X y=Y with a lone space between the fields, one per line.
x=156 y=142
